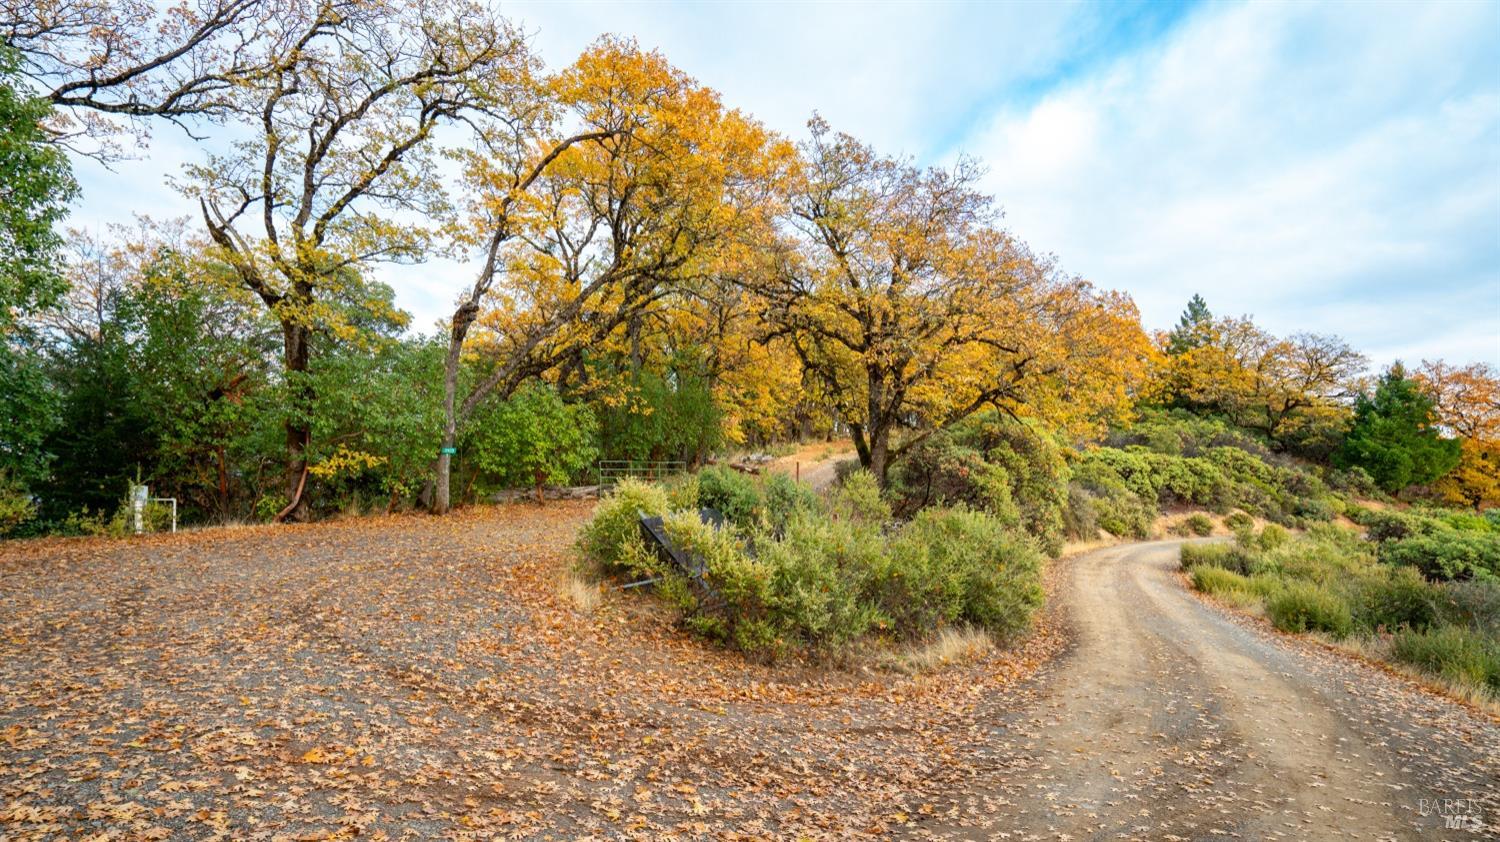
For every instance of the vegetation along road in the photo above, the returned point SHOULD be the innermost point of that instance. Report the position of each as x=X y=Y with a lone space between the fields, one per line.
x=1170 y=720
x=409 y=677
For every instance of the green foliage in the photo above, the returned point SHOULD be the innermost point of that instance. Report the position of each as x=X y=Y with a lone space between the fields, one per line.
x=1474 y=605
x=16 y=505
x=1199 y=524
x=959 y=565
x=804 y=574
x=857 y=499
x=1194 y=555
x=1304 y=607
x=785 y=499
x=36 y=185
x=1447 y=554
x=612 y=537
x=1394 y=599
x=1271 y=536
x=1453 y=653
x=734 y=494
x=1237 y=521
x=533 y=438
x=669 y=415
x=682 y=491
x=1395 y=438
x=1212 y=579
x=1194 y=328
x=1013 y=470
x=943 y=473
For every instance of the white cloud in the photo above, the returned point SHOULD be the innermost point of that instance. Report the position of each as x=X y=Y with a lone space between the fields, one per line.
x=1334 y=168
x=1321 y=167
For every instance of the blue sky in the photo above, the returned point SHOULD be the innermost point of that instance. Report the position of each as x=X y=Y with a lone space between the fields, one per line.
x=1324 y=167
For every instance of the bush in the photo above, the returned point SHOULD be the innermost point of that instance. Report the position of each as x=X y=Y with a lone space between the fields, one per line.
x=942 y=473
x=1212 y=579
x=785 y=498
x=1401 y=599
x=1271 y=537
x=1199 y=524
x=682 y=492
x=1238 y=521
x=1447 y=554
x=734 y=494
x=16 y=505
x=1453 y=653
x=1304 y=607
x=1080 y=519
x=857 y=499
x=1193 y=555
x=1474 y=605
x=613 y=536
x=958 y=565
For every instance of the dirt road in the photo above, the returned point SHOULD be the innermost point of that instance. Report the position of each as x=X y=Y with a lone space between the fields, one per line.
x=420 y=678
x=1170 y=720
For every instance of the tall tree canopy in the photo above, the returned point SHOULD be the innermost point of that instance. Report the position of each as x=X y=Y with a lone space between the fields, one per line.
x=1467 y=402
x=1395 y=437
x=339 y=167
x=641 y=186
x=900 y=292
x=1296 y=390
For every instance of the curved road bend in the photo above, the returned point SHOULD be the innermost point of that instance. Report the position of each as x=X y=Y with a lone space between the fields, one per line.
x=1168 y=719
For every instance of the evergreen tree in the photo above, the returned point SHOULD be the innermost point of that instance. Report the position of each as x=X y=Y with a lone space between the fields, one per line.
x=1395 y=437
x=1194 y=327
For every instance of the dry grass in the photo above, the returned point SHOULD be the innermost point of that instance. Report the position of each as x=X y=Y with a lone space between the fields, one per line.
x=580 y=590
x=1376 y=651
x=952 y=646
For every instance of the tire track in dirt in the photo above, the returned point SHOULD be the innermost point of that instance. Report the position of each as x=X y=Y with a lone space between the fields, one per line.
x=1170 y=720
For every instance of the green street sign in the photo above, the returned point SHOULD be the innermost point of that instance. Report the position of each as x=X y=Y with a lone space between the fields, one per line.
x=447 y=451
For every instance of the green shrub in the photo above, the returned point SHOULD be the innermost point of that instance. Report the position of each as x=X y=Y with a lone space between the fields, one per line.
x=1304 y=607
x=682 y=492
x=857 y=499
x=1238 y=521
x=958 y=565
x=1193 y=555
x=1200 y=524
x=1080 y=518
x=1400 y=599
x=943 y=473
x=1453 y=653
x=1392 y=526
x=1211 y=579
x=16 y=505
x=785 y=498
x=1474 y=605
x=1271 y=536
x=612 y=537
x=734 y=494
x=1448 y=554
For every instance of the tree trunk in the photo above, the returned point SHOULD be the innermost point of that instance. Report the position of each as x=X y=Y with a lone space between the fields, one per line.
x=295 y=337
x=880 y=441
x=462 y=319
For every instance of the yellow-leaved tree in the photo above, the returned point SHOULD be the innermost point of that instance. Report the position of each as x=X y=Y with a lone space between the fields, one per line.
x=899 y=291
x=639 y=188
x=337 y=166
x=1295 y=390
x=1467 y=401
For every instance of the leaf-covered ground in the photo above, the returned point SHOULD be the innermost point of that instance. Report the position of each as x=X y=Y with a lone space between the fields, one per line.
x=418 y=678
x=412 y=677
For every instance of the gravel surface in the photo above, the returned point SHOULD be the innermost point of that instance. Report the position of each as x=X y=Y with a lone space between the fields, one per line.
x=411 y=677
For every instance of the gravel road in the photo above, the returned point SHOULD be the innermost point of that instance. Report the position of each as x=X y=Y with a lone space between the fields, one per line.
x=419 y=678
x=1170 y=719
